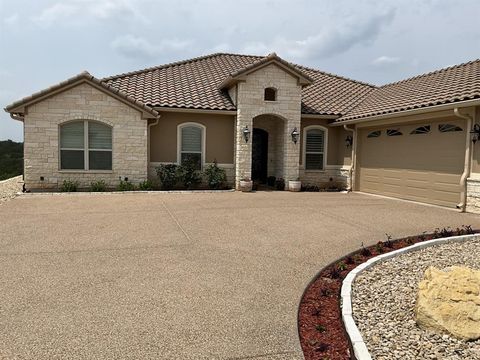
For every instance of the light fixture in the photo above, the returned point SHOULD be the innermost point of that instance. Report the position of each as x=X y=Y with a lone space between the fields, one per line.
x=295 y=135
x=246 y=133
x=475 y=133
x=349 y=140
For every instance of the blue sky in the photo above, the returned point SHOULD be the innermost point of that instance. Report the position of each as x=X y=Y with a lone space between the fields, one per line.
x=43 y=42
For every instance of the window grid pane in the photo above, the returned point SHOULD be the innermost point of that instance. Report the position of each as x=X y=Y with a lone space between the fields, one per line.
x=72 y=159
x=72 y=135
x=100 y=160
x=315 y=140
x=191 y=139
x=313 y=161
x=99 y=136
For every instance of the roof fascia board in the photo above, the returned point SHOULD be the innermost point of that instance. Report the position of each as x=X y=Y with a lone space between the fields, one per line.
x=187 y=110
x=319 y=116
x=449 y=106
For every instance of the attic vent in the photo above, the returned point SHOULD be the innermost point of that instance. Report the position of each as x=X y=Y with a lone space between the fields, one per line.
x=270 y=94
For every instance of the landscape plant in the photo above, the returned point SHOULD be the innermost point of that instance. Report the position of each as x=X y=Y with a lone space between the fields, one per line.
x=168 y=175
x=145 y=185
x=69 y=186
x=98 y=186
x=125 y=185
x=216 y=177
x=188 y=175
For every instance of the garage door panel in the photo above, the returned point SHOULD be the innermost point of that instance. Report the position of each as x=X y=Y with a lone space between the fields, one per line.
x=424 y=168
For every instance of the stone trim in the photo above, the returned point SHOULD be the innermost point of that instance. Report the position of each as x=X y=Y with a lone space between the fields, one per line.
x=359 y=346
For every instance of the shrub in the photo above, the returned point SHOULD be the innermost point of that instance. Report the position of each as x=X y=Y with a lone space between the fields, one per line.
x=379 y=247
x=188 y=175
x=271 y=180
x=216 y=177
x=321 y=328
x=334 y=272
x=341 y=266
x=98 y=186
x=145 y=185
x=365 y=251
x=280 y=184
x=349 y=260
x=310 y=188
x=168 y=176
x=69 y=186
x=125 y=185
x=388 y=243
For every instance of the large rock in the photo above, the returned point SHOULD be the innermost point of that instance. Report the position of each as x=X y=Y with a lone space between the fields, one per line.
x=449 y=301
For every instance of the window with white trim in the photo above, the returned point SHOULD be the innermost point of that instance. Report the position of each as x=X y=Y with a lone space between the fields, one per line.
x=191 y=145
x=315 y=149
x=85 y=145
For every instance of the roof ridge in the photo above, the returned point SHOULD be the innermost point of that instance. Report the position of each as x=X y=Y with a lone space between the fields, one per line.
x=334 y=75
x=175 y=63
x=430 y=73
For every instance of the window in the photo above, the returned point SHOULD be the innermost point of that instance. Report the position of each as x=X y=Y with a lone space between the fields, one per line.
x=85 y=145
x=449 y=128
x=270 y=94
x=374 y=134
x=393 y=132
x=315 y=139
x=191 y=145
x=421 y=130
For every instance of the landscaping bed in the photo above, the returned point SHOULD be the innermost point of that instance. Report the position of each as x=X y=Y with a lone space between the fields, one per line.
x=321 y=330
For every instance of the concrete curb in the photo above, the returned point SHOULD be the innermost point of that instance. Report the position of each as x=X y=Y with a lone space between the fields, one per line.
x=359 y=346
x=84 y=193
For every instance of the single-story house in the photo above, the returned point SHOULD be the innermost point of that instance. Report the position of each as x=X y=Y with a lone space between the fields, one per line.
x=261 y=116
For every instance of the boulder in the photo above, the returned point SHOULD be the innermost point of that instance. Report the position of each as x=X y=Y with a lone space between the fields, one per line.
x=448 y=301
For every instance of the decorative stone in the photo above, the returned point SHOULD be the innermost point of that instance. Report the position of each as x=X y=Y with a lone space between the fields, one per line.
x=449 y=301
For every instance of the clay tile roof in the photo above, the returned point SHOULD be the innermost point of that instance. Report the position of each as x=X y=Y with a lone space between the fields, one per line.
x=450 y=85
x=195 y=83
x=85 y=75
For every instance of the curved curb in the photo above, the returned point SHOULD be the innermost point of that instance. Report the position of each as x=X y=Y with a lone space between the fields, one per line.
x=85 y=193
x=359 y=346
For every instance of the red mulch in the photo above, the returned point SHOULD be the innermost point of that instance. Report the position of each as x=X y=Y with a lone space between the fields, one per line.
x=320 y=326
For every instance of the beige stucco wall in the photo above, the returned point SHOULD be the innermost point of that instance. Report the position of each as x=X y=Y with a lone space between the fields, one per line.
x=83 y=102
x=250 y=104
x=219 y=136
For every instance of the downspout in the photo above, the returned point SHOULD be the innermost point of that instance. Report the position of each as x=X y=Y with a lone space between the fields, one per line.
x=468 y=156
x=352 y=165
x=148 y=139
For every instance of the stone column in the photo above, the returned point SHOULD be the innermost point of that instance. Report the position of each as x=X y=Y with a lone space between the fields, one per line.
x=291 y=151
x=243 y=150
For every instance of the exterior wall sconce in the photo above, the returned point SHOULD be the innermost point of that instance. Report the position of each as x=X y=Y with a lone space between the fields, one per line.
x=295 y=135
x=246 y=133
x=349 y=140
x=475 y=133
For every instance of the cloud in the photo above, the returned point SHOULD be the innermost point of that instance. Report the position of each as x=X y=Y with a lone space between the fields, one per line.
x=11 y=20
x=78 y=10
x=333 y=40
x=385 y=60
x=139 y=47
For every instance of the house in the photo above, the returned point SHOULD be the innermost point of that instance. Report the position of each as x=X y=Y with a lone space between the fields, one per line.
x=260 y=116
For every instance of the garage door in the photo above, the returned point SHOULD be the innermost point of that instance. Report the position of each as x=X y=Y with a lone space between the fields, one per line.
x=422 y=162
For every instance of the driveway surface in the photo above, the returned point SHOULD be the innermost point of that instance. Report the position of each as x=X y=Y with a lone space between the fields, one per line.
x=178 y=276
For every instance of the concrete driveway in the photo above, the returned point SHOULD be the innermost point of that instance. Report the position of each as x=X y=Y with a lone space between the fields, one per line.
x=178 y=276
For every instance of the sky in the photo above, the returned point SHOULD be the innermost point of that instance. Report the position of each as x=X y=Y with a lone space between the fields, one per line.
x=43 y=42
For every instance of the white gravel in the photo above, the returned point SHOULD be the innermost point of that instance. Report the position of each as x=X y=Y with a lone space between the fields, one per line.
x=9 y=188
x=383 y=301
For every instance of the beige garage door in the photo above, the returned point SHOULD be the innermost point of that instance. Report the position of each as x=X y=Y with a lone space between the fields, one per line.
x=421 y=162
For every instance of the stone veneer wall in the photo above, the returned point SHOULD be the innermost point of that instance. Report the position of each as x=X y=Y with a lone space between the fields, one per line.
x=83 y=102
x=473 y=195
x=250 y=104
x=331 y=176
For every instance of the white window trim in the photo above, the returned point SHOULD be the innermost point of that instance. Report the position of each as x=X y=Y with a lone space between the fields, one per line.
x=325 y=147
x=86 y=149
x=179 y=141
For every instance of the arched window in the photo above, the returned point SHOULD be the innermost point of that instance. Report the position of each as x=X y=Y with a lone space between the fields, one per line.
x=270 y=94
x=315 y=147
x=85 y=145
x=191 y=144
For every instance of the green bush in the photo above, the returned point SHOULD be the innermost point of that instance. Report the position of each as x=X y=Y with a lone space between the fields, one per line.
x=168 y=176
x=11 y=159
x=216 y=177
x=69 y=186
x=125 y=186
x=145 y=185
x=188 y=175
x=98 y=186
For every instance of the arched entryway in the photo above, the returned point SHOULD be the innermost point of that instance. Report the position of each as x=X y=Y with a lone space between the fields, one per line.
x=259 y=155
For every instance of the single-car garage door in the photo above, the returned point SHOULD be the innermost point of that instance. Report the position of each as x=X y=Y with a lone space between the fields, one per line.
x=422 y=162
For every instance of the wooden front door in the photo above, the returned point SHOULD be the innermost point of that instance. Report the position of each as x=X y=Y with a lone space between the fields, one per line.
x=259 y=155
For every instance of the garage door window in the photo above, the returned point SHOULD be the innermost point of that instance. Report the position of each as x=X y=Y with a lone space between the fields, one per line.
x=449 y=128
x=374 y=134
x=393 y=132
x=314 y=151
x=421 y=130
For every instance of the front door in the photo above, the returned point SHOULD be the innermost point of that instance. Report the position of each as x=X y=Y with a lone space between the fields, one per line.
x=259 y=155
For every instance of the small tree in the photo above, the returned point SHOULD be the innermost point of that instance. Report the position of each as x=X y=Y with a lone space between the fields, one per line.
x=216 y=177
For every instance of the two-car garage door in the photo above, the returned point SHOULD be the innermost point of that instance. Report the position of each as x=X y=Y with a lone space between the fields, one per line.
x=422 y=162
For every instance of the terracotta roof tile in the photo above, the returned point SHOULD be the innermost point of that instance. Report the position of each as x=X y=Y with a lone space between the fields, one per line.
x=449 y=85
x=195 y=84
